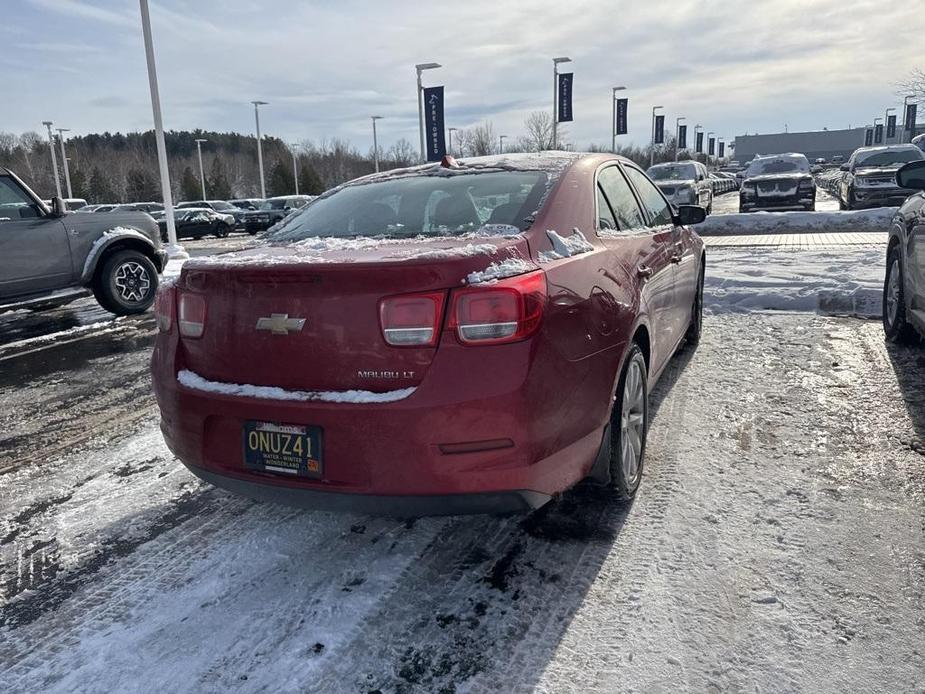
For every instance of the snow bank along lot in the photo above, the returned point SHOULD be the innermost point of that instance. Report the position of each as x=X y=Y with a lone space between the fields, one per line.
x=776 y=544
x=797 y=222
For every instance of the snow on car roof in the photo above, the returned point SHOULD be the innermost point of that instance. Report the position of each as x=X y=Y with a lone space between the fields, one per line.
x=884 y=148
x=792 y=156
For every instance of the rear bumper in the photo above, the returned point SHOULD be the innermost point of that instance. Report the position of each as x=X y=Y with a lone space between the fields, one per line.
x=406 y=506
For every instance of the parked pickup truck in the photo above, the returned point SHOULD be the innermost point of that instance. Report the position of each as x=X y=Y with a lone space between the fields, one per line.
x=49 y=257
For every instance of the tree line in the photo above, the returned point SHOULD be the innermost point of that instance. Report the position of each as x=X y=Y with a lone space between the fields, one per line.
x=117 y=167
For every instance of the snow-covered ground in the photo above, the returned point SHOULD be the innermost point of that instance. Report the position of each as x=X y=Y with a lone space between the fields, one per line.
x=797 y=222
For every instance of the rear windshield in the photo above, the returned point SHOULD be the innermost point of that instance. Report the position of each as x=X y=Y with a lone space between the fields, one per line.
x=778 y=166
x=421 y=205
x=889 y=158
x=673 y=172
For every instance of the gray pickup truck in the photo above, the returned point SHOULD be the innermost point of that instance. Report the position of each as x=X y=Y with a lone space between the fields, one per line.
x=49 y=257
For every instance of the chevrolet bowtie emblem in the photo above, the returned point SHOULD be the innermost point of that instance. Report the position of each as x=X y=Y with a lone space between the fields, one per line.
x=280 y=324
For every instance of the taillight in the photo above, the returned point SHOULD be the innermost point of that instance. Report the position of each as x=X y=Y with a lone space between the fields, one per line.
x=506 y=311
x=192 y=318
x=411 y=320
x=165 y=308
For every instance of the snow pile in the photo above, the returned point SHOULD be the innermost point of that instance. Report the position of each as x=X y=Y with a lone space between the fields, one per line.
x=795 y=222
x=847 y=280
x=197 y=382
x=489 y=230
x=496 y=271
x=470 y=249
x=566 y=247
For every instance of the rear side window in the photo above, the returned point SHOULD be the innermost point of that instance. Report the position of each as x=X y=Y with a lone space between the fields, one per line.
x=622 y=201
x=605 y=218
x=429 y=205
x=659 y=209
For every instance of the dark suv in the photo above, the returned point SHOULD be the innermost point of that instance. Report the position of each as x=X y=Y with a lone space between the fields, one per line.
x=904 y=287
x=49 y=257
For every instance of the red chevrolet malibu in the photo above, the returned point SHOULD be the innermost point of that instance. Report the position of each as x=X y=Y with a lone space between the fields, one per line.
x=471 y=336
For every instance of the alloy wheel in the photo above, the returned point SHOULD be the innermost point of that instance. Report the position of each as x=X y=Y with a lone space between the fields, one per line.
x=132 y=281
x=632 y=423
x=893 y=292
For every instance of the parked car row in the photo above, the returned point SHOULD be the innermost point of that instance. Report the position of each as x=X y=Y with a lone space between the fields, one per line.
x=723 y=182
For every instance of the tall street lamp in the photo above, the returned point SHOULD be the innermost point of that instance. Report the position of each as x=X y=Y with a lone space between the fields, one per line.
x=174 y=249
x=54 y=158
x=67 y=171
x=420 y=67
x=677 y=136
x=375 y=143
x=202 y=175
x=555 y=98
x=450 y=145
x=295 y=168
x=501 y=139
x=613 y=118
x=652 y=153
x=263 y=185
x=886 y=120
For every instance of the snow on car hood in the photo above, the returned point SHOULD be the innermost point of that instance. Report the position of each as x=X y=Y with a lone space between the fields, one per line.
x=795 y=176
x=876 y=170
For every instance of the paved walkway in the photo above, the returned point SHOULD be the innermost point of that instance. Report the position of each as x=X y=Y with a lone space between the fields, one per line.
x=802 y=241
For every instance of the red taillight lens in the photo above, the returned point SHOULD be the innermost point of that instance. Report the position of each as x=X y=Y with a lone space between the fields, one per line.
x=506 y=311
x=165 y=308
x=192 y=319
x=411 y=320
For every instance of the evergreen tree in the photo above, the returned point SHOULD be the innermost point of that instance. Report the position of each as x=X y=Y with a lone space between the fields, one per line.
x=309 y=181
x=140 y=186
x=219 y=187
x=281 y=181
x=79 y=185
x=189 y=185
x=100 y=189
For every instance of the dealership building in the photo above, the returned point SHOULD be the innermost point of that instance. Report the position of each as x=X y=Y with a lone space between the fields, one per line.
x=820 y=143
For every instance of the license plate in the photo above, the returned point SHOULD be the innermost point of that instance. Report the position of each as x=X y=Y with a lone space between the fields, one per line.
x=287 y=449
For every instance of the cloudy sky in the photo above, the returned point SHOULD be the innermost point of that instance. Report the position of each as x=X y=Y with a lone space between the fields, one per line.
x=324 y=67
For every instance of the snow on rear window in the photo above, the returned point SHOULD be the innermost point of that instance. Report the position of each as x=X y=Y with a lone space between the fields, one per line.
x=428 y=205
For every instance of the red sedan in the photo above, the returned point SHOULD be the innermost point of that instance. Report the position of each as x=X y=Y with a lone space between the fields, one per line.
x=467 y=336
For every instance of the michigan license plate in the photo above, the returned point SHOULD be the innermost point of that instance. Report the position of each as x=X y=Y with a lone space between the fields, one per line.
x=283 y=448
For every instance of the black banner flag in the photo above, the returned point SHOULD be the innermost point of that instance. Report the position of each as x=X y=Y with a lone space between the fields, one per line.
x=711 y=145
x=622 y=108
x=682 y=137
x=565 y=97
x=699 y=143
x=878 y=133
x=722 y=150
x=869 y=137
x=434 y=131
x=659 y=129
x=910 y=117
x=890 y=127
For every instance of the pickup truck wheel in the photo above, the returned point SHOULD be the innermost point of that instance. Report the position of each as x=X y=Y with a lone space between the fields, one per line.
x=895 y=326
x=126 y=283
x=629 y=425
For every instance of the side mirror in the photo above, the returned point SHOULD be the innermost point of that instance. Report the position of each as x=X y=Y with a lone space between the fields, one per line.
x=912 y=175
x=844 y=167
x=58 y=208
x=690 y=214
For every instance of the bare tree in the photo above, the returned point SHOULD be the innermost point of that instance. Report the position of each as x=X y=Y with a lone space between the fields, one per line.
x=913 y=85
x=483 y=139
x=538 y=127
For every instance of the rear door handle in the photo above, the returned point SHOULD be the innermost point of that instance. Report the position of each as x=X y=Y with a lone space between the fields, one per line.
x=644 y=271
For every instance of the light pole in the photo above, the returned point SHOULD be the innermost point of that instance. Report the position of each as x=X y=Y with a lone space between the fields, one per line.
x=54 y=158
x=677 y=136
x=67 y=171
x=375 y=143
x=295 y=168
x=652 y=154
x=708 y=146
x=202 y=175
x=174 y=249
x=613 y=118
x=451 y=131
x=263 y=185
x=501 y=143
x=886 y=120
x=420 y=67
x=555 y=98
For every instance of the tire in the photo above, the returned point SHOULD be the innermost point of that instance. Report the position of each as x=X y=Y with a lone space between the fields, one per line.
x=630 y=426
x=126 y=283
x=895 y=326
x=695 y=327
x=221 y=231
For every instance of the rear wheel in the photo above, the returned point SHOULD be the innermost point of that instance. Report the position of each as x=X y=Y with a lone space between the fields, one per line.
x=629 y=425
x=126 y=283
x=894 y=301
